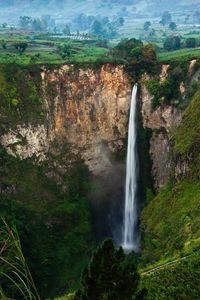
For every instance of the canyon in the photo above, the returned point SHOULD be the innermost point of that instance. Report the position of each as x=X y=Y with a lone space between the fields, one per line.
x=85 y=114
x=63 y=144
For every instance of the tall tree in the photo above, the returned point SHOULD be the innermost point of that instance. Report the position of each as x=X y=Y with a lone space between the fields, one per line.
x=190 y=43
x=110 y=275
x=172 y=43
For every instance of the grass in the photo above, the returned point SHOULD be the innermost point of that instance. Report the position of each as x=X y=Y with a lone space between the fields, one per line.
x=180 y=281
x=86 y=51
x=45 y=50
x=55 y=228
x=14 y=271
x=85 y=55
x=187 y=134
x=66 y=297
x=183 y=54
x=171 y=222
x=91 y=54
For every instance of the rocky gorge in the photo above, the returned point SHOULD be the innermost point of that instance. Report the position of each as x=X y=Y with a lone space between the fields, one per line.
x=63 y=137
x=86 y=110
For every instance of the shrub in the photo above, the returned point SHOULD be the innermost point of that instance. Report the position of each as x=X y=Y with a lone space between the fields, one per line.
x=15 y=276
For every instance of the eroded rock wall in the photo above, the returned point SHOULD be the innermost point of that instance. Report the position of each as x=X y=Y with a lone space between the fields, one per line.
x=85 y=112
x=85 y=115
x=162 y=121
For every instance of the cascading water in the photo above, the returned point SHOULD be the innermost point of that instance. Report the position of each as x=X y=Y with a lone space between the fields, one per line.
x=130 y=232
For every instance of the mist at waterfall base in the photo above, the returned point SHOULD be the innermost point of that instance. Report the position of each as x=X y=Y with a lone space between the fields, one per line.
x=130 y=236
x=115 y=198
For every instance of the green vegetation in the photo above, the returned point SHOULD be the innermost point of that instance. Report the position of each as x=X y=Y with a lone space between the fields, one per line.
x=170 y=222
x=44 y=48
x=187 y=134
x=172 y=43
x=138 y=58
x=168 y=91
x=110 y=275
x=54 y=222
x=20 y=94
x=180 y=281
x=106 y=28
x=146 y=190
x=173 y=26
x=16 y=279
x=179 y=55
x=190 y=42
x=54 y=226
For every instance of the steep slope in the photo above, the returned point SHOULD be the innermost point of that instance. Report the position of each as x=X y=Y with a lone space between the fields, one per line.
x=170 y=223
x=83 y=109
x=178 y=281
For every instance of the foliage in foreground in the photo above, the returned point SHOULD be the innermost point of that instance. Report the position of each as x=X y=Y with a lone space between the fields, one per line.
x=54 y=227
x=180 y=281
x=110 y=275
x=16 y=279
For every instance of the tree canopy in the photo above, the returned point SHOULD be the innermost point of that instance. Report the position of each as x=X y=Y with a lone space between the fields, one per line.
x=138 y=57
x=172 y=43
x=110 y=275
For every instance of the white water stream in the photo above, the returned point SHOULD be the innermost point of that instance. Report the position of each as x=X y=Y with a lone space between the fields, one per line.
x=130 y=239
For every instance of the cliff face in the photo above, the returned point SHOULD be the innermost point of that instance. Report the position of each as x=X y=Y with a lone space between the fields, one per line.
x=55 y=118
x=161 y=121
x=85 y=115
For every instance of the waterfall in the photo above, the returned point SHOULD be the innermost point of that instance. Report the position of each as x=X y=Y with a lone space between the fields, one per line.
x=130 y=232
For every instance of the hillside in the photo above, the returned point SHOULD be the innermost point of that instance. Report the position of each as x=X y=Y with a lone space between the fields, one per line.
x=178 y=281
x=69 y=9
x=170 y=223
